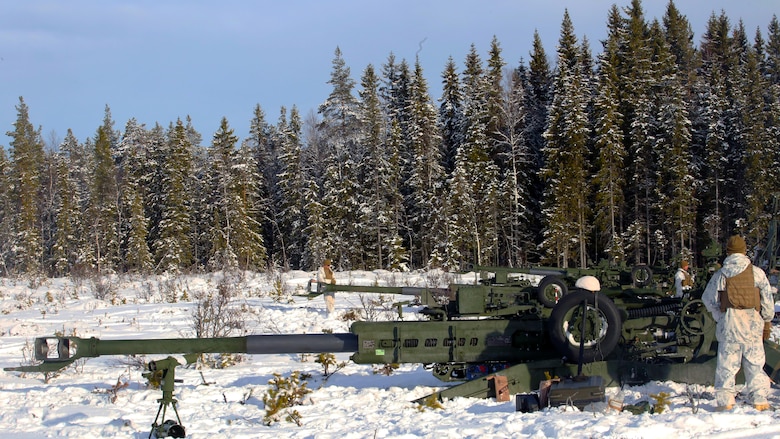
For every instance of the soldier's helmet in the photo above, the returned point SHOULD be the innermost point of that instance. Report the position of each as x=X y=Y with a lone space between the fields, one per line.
x=590 y=283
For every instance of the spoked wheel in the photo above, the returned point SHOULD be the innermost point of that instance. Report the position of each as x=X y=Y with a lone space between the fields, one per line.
x=602 y=326
x=550 y=290
x=695 y=319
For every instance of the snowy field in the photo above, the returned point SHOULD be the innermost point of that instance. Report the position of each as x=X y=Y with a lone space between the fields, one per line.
x=109 y=397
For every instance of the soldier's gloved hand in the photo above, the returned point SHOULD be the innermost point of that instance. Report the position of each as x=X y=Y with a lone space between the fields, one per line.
x=767 y=330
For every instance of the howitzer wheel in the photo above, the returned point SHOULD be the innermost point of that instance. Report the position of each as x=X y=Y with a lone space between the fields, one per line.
x=695 y=319
x=550 y=290
x=602 y=326
x=641 y=276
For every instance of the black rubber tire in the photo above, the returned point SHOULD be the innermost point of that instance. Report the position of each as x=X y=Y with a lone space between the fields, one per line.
x=568 y=311
x=641 y=276
x=550 y=290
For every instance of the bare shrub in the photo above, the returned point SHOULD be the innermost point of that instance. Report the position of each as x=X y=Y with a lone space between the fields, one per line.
x=376 y=308
x=146 y=291
x=215 y=316
x=112 y=393
x=173 y=289
x=24 y=300
x=438 y=278
x=102 y=287
x=386 y=369
x=391 y=279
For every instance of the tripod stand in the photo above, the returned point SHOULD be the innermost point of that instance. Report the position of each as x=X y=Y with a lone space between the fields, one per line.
x=163 y=371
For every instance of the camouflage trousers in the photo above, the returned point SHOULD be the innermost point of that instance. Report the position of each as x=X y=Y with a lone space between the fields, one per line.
x=330 y=302
x=751 y=357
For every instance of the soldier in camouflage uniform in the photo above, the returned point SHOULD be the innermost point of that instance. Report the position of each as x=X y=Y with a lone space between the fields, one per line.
x=325 y=275
x=740 y=300
x=683 y=281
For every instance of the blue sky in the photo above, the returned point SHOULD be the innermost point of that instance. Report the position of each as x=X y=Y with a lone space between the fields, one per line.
x=159 y=60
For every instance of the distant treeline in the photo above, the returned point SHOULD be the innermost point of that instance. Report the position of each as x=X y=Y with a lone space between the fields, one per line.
x=644 y=153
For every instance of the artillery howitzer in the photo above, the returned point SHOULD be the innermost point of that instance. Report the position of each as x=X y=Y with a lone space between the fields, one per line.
x=553 y=282
x=475 y=333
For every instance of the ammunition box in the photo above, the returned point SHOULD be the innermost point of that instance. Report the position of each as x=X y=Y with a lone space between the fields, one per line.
x=526 y=402
x=579 y=391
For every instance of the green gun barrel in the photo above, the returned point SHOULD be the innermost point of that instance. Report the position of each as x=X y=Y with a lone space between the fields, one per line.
x=55 y=353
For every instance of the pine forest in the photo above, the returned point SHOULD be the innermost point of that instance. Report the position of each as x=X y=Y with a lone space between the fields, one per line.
x=647 y=152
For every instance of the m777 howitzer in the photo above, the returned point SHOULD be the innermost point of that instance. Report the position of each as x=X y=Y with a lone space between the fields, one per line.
x=553 y=282
x=477 y=333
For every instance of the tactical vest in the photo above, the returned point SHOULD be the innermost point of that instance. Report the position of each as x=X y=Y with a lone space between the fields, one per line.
x=328 y=273
x=688 y=281
x=741 y=292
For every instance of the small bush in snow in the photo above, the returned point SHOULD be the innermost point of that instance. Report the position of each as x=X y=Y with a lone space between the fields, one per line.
x=431 y=402
x=279 y=289
x=102 y=287
x=216 y=315
x=387 y=369
x=328 y=361
x=113 y=392
x=283 y=394
x=661 y=401
x=438 y=278
x=173 y=290
x=376 y=308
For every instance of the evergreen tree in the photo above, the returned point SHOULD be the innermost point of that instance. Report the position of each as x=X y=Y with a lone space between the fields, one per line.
x=380 y=189
x=340 y=127
x=265 y=143
x=609 y=179
x=736 y=192
x=714 y=112
x=773 y=52
x=398 y=254
x=65 y=239
x=197 y=185
x=26 y=149
x=249 y=245
x=395 y=93
x=155 y=149
x=173 y=249
x=134 y=170
x=494 y=81
x=758 y=148
x=566 y=155
x=676 y=200
x=679 y=36
x=292 y=186
x=80 y=163
x=104 y=208
x=49 y=196
x=139 y=258
x=235 y=235
x=538 y=96
x=451 y=121
x=476 y=175
x=426 y=179
x=451 y=124
x=7 y=215
x=638 y=123
x=717 y=61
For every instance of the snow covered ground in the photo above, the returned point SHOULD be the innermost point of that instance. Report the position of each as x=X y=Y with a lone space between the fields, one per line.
x=108 y=397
